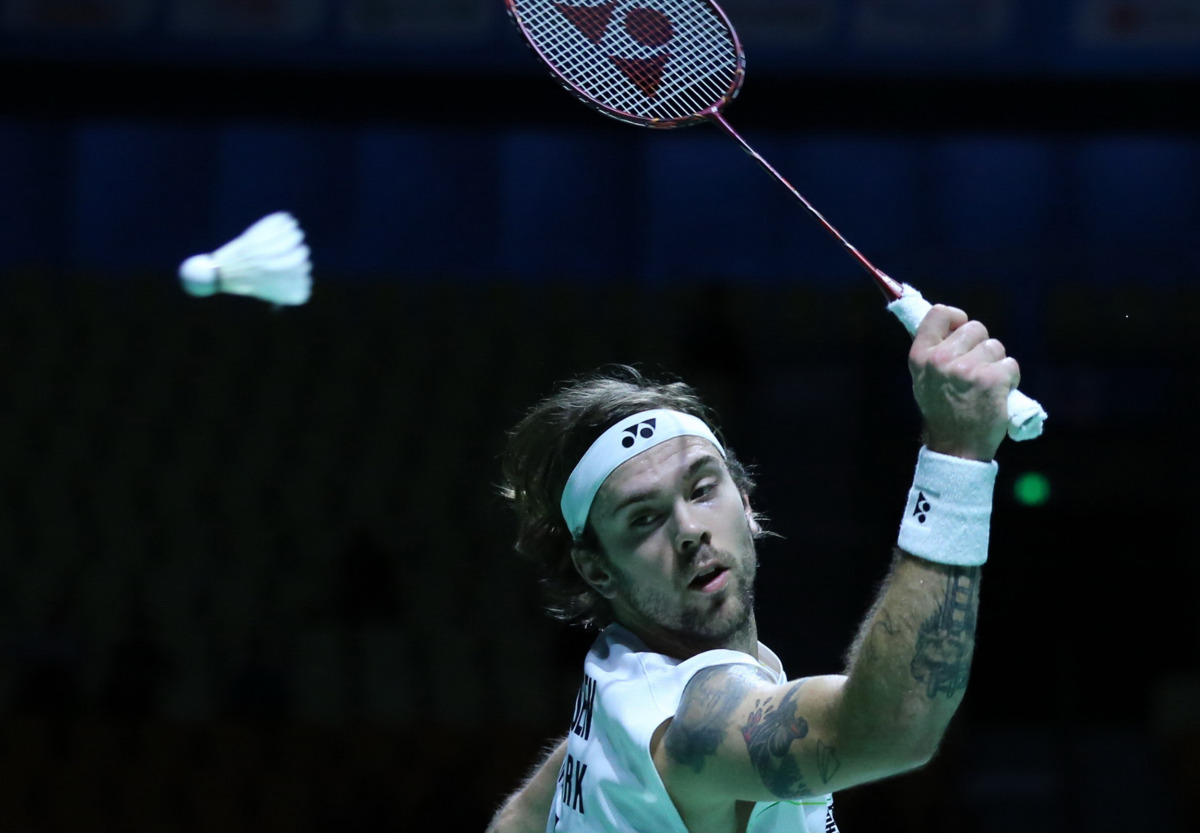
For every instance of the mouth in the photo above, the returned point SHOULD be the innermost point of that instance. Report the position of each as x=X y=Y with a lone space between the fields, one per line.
x=711 y=580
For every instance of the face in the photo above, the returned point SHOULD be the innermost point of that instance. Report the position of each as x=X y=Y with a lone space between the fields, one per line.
x=678 y=559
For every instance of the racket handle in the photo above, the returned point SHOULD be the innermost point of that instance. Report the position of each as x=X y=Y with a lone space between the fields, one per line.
x=1025 y=415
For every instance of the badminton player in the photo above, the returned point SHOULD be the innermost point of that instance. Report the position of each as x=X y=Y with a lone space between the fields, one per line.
x=640 y=519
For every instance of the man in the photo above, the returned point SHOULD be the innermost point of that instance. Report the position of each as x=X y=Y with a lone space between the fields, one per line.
x=685 y=723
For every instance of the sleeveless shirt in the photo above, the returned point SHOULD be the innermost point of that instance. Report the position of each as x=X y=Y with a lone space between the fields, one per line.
x=608 y=781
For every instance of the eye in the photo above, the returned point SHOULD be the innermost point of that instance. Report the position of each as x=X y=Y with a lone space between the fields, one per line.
x=703 y=489
x=644 y=520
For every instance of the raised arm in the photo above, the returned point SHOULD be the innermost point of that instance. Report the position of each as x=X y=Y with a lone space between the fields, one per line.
x=527 y=810
x=913 y=653
x=737 y=735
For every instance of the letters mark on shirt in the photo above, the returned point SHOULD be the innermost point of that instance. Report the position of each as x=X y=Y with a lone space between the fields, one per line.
x=585 y=701
x=570 y=782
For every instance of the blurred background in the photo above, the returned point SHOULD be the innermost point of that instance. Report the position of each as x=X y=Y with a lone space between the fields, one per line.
x=254 y=572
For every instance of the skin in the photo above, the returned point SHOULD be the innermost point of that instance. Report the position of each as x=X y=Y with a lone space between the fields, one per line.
x=739 y=737
x=526 y=810
x=661 y=516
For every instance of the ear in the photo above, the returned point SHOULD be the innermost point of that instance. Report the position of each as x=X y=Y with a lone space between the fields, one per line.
x=751 y=519
x=592 y=567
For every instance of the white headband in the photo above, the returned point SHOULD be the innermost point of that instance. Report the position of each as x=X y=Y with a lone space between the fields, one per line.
x=627 y=439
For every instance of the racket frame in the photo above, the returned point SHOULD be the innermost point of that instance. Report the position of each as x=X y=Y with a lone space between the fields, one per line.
x=731 y=92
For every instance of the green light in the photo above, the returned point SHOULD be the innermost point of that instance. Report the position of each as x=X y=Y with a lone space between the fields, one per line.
x=1031 y=489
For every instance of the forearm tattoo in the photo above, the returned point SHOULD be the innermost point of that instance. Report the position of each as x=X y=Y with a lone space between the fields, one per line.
x=946 y=640
x=884 y=624
x=769 y=732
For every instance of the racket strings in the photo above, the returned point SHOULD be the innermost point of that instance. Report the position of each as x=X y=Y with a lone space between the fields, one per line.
x=665 y=59
x=705 y=58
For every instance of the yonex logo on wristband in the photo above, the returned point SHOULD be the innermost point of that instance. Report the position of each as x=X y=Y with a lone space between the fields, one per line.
x=957 y=532
x=645 y=430
x=923 y=506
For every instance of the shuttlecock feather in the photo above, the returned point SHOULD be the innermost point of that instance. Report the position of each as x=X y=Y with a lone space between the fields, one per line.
x=268 y=260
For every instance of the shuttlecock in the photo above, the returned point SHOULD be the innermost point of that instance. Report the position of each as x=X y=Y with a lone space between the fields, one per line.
x=268 y=261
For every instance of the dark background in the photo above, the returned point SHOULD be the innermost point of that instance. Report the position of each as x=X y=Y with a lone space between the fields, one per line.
x=254 y=572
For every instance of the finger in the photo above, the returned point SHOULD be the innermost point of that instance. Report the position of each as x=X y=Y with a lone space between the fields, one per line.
x=1003 y=375
x=989 y=351
x=938 y=323
x=966 y=338
x=1010 y=366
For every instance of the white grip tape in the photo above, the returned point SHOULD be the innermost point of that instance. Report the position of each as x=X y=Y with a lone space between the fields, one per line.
x=949 y=511
x=1025 y=415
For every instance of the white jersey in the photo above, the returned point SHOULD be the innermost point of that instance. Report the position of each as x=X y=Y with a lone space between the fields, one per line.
x=608 y=781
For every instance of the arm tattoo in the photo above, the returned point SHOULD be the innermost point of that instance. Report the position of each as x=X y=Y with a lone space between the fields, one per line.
x=946 y=639
x=885 y=623
x=708 y=702
x=769 y=732
x=827 y=761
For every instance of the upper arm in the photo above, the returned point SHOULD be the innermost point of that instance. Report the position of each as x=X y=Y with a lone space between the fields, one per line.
x=526 y=810
x=739 y=735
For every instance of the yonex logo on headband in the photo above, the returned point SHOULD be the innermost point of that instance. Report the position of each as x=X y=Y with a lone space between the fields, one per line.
x=623 y=441
x=645 y=430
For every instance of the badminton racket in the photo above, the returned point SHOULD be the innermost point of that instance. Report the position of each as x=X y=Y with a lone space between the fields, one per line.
x=674 y=63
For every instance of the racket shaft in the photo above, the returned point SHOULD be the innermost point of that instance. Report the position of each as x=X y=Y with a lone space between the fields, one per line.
x=890 y=288
x=1025 y=415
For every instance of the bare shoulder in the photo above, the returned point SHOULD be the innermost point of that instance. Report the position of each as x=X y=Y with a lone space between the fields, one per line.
x=738 y=734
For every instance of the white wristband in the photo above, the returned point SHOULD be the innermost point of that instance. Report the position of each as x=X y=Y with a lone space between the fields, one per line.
x=949 y=510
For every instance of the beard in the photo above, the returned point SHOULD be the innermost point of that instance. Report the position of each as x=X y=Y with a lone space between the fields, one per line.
x=699 y=621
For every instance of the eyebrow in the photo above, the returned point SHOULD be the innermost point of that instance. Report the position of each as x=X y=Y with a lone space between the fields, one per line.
x=637 y=497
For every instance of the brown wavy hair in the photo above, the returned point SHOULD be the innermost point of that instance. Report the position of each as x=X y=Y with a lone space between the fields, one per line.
x=543 y=449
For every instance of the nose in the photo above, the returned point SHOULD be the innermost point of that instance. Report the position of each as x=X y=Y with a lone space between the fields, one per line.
x=691 y=532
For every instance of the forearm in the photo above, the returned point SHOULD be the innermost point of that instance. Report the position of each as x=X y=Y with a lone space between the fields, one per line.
x=907 y=669
x=526 y=810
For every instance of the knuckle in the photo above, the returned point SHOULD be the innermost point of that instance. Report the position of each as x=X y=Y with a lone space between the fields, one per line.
x=942 y=360
x=1002 y=374
x=976 y=329
x=941 y=357
x=964 y=369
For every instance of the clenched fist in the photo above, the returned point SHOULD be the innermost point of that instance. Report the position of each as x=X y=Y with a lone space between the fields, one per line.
x=961 y=381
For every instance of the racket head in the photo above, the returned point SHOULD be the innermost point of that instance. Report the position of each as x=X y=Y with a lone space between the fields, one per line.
x=652 y=63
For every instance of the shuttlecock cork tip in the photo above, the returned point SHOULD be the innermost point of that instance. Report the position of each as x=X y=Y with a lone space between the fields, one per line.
x=199 y=275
